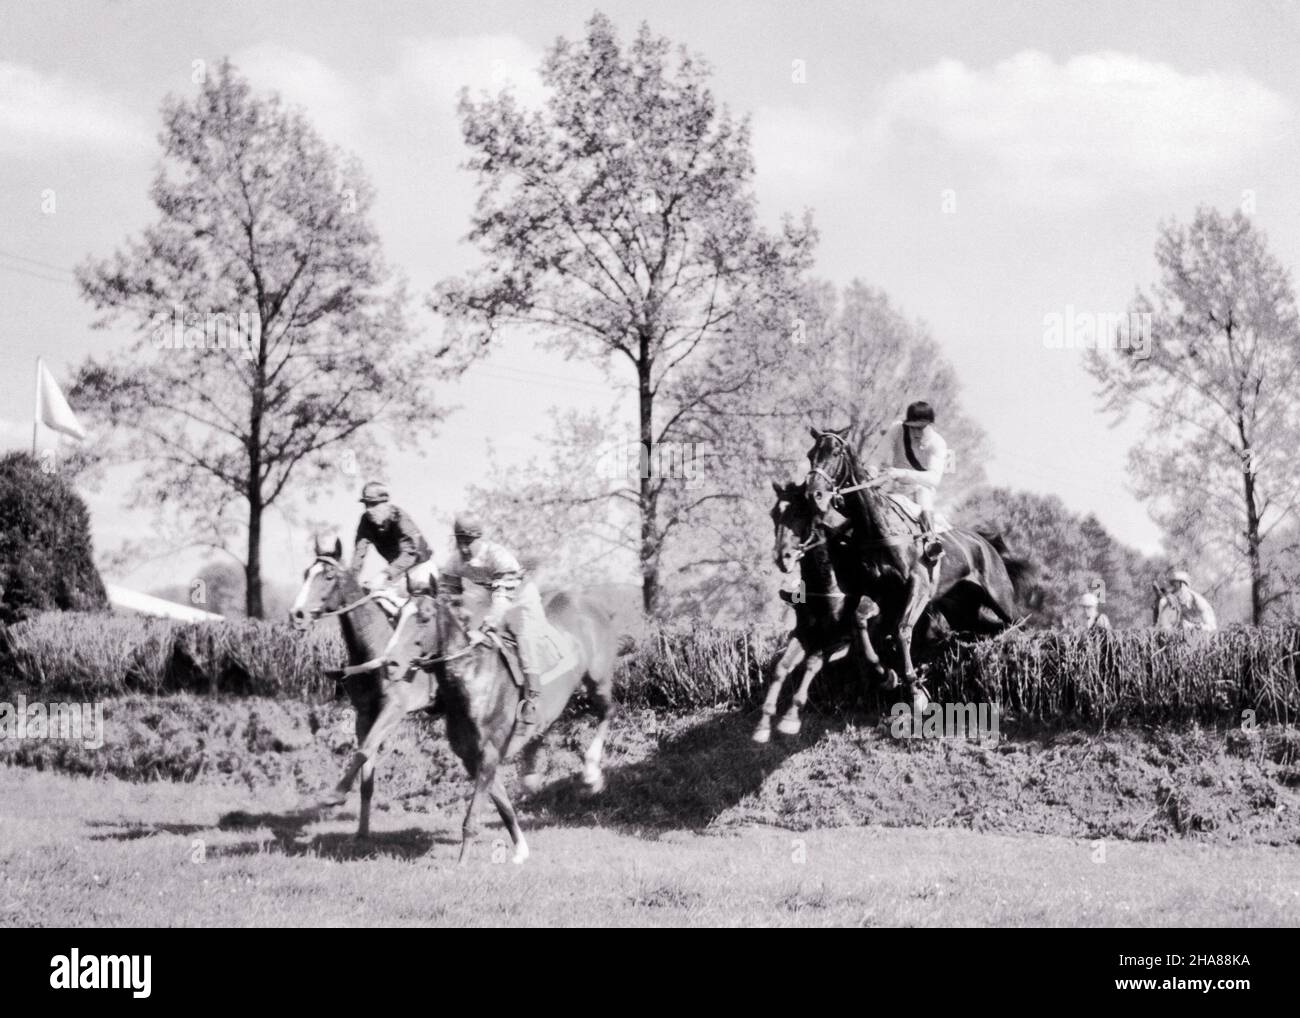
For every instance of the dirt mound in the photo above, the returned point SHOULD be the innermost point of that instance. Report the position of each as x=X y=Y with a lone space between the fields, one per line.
x=701 y=771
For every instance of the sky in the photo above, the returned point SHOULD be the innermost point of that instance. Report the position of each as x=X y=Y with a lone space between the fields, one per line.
x=989 y=165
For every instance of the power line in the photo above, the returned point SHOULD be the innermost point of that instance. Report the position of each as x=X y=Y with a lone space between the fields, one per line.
x=37 y=275
x=37 y=261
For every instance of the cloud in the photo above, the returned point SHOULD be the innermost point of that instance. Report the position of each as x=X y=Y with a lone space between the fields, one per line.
x=796 y=148
x=337 y=109
x=433 y=71
x=1098 y=123
x=44 y=110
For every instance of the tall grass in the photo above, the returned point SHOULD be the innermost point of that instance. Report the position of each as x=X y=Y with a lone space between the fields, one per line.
x=1049 y=677
x=100 y=655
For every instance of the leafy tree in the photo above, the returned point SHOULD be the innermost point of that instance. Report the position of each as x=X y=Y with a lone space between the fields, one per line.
x=1217 y=380
x=294 y=338
x=620 y=224
x=46 y=551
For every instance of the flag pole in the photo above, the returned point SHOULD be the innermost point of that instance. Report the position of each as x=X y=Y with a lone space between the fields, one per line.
x=36 y=417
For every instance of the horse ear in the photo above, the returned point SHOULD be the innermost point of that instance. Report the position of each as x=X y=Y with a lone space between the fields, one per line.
x=815 y=433
x=338 y=549
x=315 y=545
x=780 y=491
x=844 y=431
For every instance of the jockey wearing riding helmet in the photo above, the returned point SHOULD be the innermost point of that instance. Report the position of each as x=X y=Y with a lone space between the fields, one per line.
x=1194 y=610
x=918 y=456
x=516 y=603
x=391 y=532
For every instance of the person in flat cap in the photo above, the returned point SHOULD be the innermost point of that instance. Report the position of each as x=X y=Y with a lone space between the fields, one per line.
x=918 y=457
x=1093 y=616
x=391 y=532
x=1194 y=611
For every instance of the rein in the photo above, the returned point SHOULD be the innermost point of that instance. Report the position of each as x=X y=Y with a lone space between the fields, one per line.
x=897 y=541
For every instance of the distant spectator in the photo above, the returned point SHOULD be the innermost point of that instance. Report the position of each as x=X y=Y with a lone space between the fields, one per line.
x=1093 y=616
x=1194 y=611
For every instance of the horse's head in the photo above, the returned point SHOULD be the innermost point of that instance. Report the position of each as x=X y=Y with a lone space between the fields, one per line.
x=792 y=522
x=434 y=624
x=416 y=635
x=326 y=586
x=832 y=465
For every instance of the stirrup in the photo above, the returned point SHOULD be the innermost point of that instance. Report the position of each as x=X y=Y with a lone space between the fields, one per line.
x=528 y=710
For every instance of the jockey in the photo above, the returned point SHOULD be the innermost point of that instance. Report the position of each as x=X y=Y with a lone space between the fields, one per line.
x=918 y=455
x=516 y=602
x=391 y=532
x=1093 y=616
x=1195 y=611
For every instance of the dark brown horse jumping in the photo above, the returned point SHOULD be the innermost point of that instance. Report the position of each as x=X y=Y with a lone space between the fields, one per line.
x=960 y=569
x=824 y=614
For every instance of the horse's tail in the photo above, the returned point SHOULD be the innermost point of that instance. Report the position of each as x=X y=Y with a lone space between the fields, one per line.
x=1020 y=570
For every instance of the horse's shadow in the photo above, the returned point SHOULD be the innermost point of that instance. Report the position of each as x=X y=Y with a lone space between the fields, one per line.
x=688 y=780
x=289 y=836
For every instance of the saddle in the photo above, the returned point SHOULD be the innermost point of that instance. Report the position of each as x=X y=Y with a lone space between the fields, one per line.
x=907 y=516
x=557 y=652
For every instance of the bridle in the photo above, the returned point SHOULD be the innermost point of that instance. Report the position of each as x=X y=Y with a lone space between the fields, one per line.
x=319 y=613
x=837 y=492
x=845 y=466
x=426 y=661
x=814 y=540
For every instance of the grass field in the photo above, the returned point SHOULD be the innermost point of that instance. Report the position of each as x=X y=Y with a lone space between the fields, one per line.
x=104 y=852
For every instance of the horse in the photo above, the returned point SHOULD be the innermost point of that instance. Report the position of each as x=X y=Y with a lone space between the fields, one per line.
x=329 y=590
x=826 y=618
x=963 y=570
x=824 y=614
x=437 y=631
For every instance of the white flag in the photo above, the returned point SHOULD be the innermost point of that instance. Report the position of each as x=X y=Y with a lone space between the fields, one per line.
x=52 y=409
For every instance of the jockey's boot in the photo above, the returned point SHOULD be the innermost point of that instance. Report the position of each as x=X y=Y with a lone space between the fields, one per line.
x=529 y=714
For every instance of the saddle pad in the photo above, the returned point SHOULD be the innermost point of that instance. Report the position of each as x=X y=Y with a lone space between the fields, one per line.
x=557 y=652
x=909 y=511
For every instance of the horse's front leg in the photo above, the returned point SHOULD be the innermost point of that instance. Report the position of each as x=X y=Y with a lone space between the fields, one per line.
x=791 y=723
x=863 y=612
x=794 y=653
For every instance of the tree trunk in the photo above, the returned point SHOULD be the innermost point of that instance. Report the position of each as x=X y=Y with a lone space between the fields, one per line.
x=1252 y=545
x=253 y=570
x=647 y=499
x=253 y=567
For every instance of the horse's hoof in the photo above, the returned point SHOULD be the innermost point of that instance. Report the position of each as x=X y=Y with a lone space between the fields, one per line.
x=595 y=781
x=789 y=726
x=521 y=853
x=532 y=782
x=331 y=799
x=762 y=735
x=919 y=701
